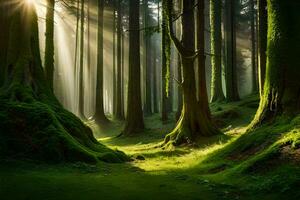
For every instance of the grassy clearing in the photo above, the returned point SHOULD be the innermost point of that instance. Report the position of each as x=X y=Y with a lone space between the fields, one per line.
x=232 y=166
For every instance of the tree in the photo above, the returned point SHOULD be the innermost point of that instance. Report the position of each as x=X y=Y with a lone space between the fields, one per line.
x=253 y=46
x=81 y=63
x=134 y=120
x=33 y=123
x=193 y=122
x=166 y=53
x=216 y=50
x=49 y=43
x=202 y=92
x=147 y=57
x=262 y=42
x=118 y=109
x=282 y=85
x=230 y=43
x=99 y=113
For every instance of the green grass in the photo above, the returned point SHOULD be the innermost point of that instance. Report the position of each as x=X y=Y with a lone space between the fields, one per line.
x=231 y=166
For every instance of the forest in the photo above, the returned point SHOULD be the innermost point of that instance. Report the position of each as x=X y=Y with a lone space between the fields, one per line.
x=149 y=99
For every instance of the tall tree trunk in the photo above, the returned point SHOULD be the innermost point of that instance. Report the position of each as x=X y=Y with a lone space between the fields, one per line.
x=147 y=57
x=49 y=43
x=230 y=40
x=202 y=93
x=179 y=66
x=166 y=53
x=193 y=121
x=155 y=99
x=216 y=50
x=81 y=64
x=135 y=120
x=253 y=47
x=118 y=108
x=114 y=106
x=99 y=114
x=262 y=42
x=281 y=91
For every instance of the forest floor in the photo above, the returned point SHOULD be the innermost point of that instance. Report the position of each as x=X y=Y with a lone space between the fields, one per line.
x=185 y=172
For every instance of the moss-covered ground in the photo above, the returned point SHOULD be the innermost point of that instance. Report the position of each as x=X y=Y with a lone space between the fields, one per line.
x=262 y=164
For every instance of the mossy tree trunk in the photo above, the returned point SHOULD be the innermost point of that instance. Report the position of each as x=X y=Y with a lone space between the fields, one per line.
x=193 y=121
x=99 y=114
x=216 y=50
x=262 y=43
x=134 y=120
x=49 y=44
x=230 y=43
x=165 y=59
x=33 y=123
x=282 y=85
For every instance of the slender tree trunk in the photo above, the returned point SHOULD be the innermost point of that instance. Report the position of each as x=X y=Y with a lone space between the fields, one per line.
x=262 y=42
x=135 y=120
x=281 y=90
x=230 y=38
x=49 y=43
x=179 y=67
x=114 y=106
x=81 y=75
x=99 y=114
x=155 y=99
x=118 y=108
x=166 y=53
x=147 y=57
x=216 y=50
x=122 y=76
x=253 y=47
x=193 y=121
x=202 y=93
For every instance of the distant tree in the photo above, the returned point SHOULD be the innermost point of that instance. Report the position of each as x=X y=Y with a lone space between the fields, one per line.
x=134 y=120
x=99 y=113
x=49 y=43
x=81 y=62
x=216 y=50
x=147 y=57
x=253 y=46
x=118 y=109
x=166 y=54
x=230 y=45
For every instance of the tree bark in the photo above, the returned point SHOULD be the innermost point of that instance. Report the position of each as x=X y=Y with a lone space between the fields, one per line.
x=135 y=120
x=282 y=87
x=262 y=43
x=216 y=50
x=118 y=110
x=99 y=114
x=166 y=53
x=81 y=64
x=253 y=48
x=230 y=42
